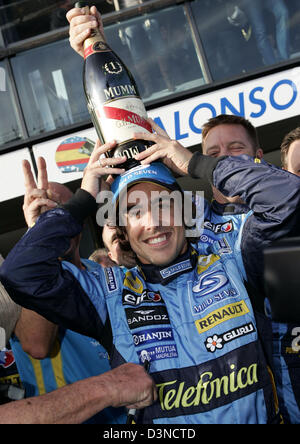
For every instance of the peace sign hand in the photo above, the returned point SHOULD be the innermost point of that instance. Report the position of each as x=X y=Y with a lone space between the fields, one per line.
x=36 y=199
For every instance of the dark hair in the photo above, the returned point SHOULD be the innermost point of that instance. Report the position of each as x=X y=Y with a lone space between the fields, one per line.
x=121 y=230
x=286 y=143
x=225 y=119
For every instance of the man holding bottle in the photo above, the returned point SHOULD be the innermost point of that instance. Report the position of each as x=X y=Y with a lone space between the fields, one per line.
x=224 y=135
x=185 y=307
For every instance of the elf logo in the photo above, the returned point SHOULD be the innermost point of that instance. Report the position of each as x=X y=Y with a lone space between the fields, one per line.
x=225 y=227
x=6 y=358
x=146 y=296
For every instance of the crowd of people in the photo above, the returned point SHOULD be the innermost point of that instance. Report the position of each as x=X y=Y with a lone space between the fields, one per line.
x=190 y=311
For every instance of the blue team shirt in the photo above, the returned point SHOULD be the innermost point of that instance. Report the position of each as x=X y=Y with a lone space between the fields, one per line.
x=73 y=357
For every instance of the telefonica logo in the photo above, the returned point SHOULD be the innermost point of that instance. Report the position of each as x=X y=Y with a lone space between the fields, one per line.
x=176 y=394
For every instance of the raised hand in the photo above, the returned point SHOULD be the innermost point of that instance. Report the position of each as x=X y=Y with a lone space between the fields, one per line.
x=81 y=26
x=100 y=166
x=170 y=152
x=36 y=199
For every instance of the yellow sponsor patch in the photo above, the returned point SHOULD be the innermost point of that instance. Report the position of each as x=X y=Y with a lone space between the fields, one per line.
x=290 y=351
x=11 y=379
x=220 y=315
x=204 y=262
x=133 y=283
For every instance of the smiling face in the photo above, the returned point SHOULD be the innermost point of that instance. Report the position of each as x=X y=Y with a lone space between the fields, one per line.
x=151 y=229
x=229 y=140
x=293 y=158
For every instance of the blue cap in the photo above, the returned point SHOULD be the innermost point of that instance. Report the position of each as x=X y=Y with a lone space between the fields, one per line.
x=155 y=173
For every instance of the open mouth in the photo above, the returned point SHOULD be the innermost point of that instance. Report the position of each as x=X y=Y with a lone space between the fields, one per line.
x=158 y=240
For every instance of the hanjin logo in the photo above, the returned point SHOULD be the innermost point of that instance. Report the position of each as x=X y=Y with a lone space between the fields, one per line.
x=150 y=336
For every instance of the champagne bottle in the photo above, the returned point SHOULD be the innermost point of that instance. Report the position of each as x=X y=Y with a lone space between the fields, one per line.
x=113 y=100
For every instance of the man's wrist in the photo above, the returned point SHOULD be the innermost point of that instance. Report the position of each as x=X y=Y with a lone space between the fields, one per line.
x=202 y=167
x=81 y=205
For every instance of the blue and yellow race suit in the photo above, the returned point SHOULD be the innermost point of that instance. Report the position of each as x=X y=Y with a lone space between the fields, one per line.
x=284 y=344
x=73 y=357
x=193 y=319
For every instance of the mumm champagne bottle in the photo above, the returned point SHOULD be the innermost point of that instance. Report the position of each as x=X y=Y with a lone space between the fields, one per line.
x=113 y=99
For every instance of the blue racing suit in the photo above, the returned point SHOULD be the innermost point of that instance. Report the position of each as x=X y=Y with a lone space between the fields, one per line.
x=286 y=360
x=193 y=319
x=283 y=344
x=73 y=357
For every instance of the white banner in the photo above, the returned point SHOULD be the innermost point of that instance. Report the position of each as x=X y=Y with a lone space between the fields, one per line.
x=264 y=100
x=11 y=174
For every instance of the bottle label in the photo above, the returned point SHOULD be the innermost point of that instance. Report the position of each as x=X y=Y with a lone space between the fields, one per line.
x=95 y=46
x=121 y=118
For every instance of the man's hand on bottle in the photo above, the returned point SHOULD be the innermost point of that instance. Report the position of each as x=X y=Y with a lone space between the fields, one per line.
x=99 y=166
x=81 y=26
x=170 y=152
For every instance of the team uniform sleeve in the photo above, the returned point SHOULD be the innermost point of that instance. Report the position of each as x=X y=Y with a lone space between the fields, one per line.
x=36 y=279
x=271 y=193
